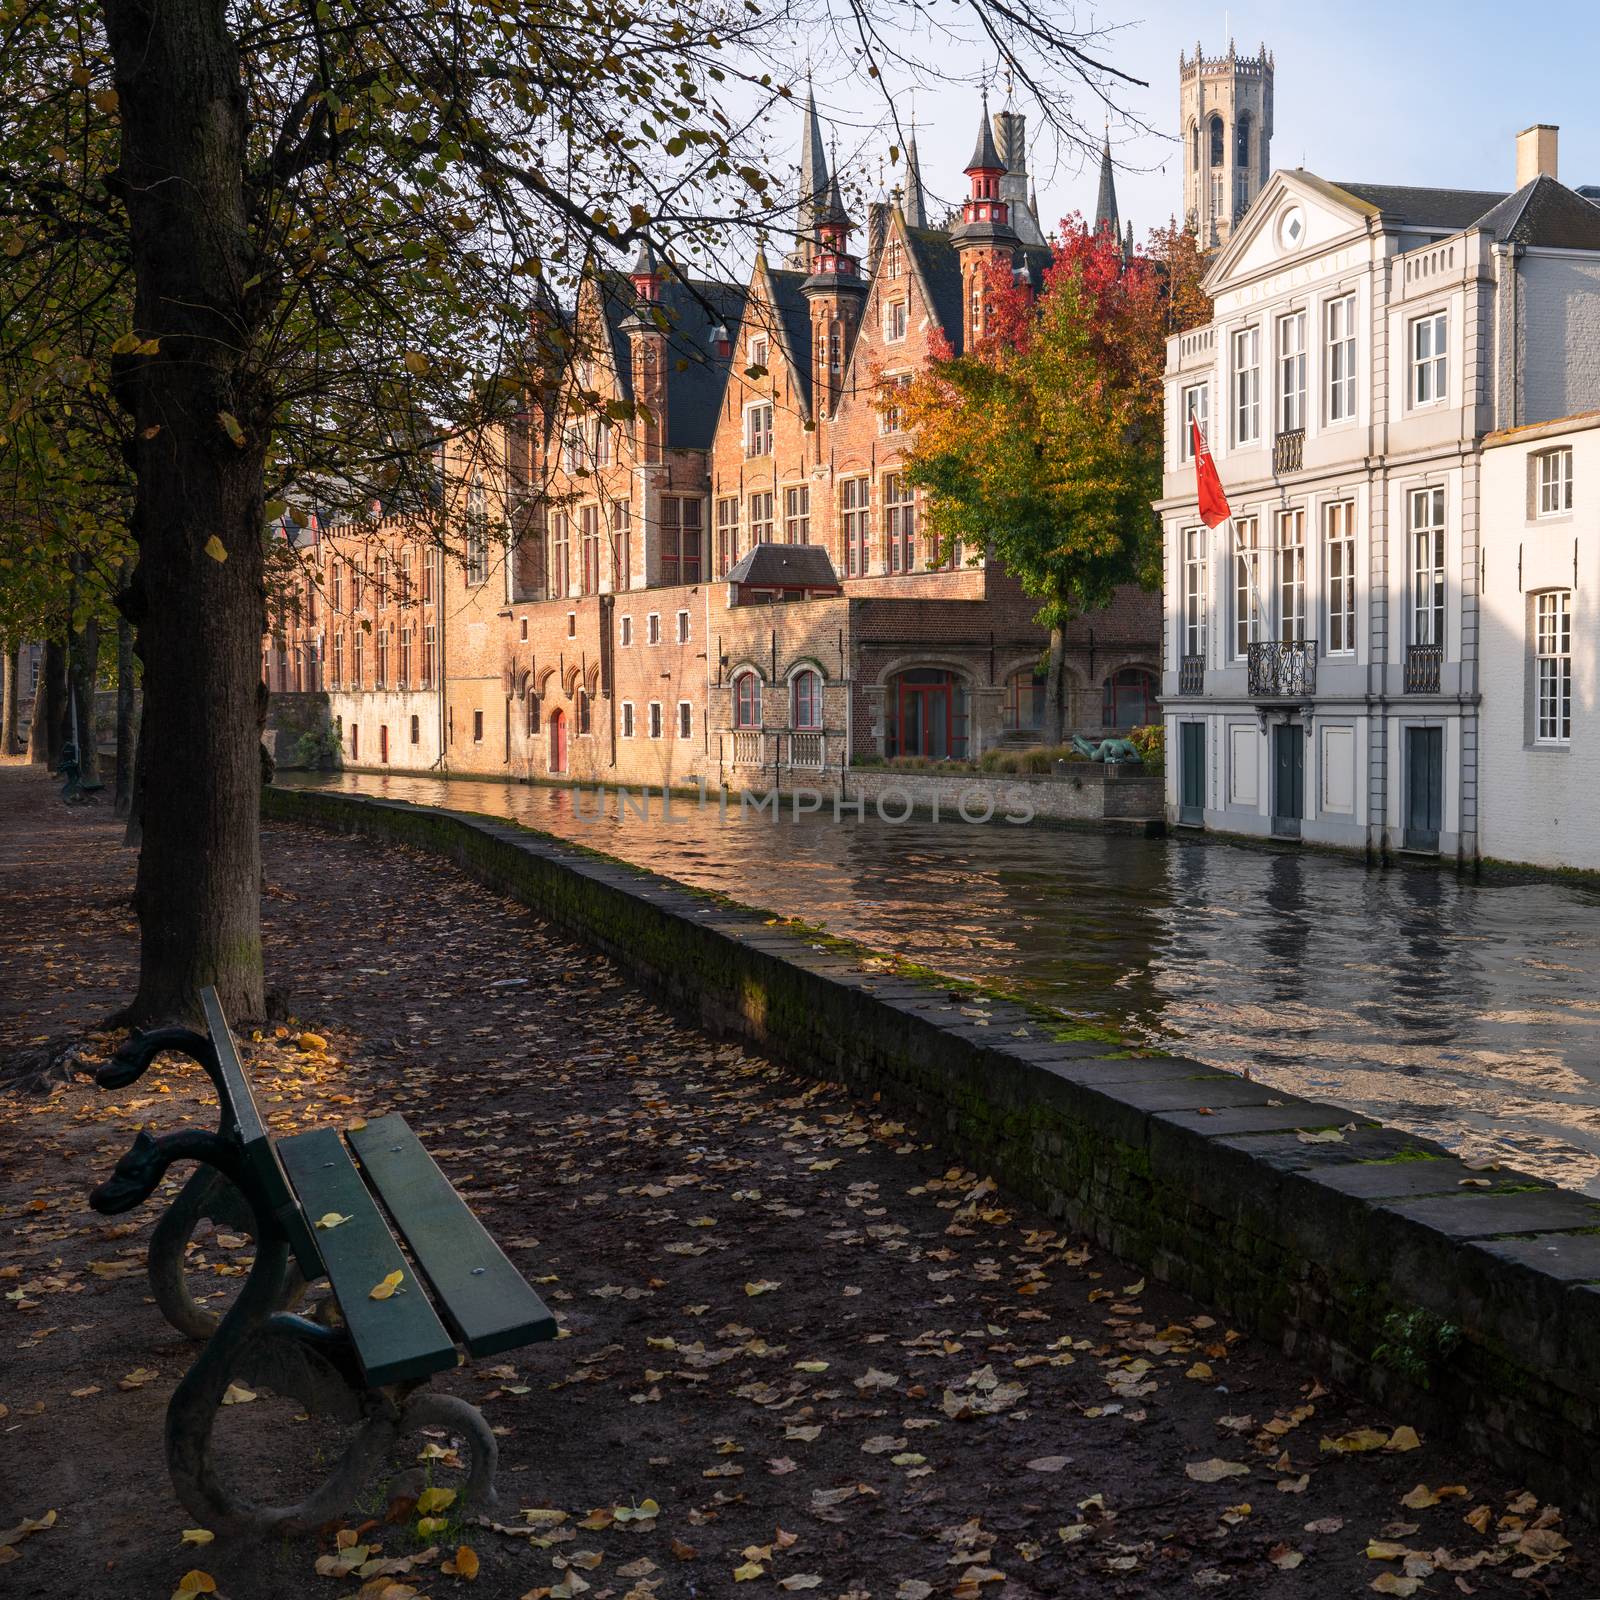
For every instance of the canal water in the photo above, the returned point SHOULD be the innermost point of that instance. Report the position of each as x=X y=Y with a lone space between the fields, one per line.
x=1467 y=1011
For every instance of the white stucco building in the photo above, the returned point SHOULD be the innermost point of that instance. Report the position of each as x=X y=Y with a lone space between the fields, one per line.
x=1540 y=762
x=1322 y=669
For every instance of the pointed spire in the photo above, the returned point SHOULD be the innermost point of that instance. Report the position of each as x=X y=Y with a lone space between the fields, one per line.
x=915 y=205
x=813 y=186
x=985 y=158
x=1105 y=210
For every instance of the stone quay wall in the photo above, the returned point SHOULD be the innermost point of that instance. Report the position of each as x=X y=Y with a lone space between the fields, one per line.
x=1473 y=1310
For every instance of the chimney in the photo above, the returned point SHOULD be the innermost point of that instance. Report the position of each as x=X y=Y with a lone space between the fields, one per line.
x=1536 y=152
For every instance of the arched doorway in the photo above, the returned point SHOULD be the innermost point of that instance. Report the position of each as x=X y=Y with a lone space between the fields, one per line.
x=558 y=741
x=927 y=715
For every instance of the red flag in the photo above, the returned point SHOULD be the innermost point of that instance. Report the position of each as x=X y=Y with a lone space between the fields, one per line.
x=1214 y=507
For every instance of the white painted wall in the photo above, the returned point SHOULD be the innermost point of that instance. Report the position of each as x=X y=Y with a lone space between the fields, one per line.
x=1541 y=803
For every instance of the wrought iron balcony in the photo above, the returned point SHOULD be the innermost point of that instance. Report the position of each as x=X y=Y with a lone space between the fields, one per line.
x=1192 y=675
x=1288 y=449
x=1423 y=662
x=1283 y=671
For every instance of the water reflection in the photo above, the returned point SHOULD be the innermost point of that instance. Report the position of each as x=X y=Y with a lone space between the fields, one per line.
x=1466 y=1011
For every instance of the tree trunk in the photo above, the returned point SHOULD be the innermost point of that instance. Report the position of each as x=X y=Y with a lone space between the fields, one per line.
x=122 y=801
x=133 y=836
x=1055 y=700
x=46 y=733
x=85 y=665
x=8 y=700
x=200 y=426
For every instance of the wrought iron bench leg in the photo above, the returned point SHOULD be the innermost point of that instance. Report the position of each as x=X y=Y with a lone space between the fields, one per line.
x=207 y=1194
x=289 y=1355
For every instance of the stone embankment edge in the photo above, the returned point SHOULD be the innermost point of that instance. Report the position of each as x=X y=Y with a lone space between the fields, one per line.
x=1378 y=1257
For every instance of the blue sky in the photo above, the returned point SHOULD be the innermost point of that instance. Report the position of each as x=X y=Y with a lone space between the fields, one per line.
x=1426 y=93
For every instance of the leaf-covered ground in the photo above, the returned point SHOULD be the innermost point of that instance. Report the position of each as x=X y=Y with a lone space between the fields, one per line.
x=802 y=1352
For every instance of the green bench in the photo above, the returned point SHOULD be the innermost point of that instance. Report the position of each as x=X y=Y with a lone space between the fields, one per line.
x=361 y=1360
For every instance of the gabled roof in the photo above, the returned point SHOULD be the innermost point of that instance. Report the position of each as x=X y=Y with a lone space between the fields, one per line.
x=696 y=374
x=1446 y=209
x=1547 y=213
x=794 y=323
x=785 y=566
x=937 y=265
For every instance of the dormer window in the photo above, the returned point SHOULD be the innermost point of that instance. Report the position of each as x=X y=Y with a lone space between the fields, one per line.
x=758 y=351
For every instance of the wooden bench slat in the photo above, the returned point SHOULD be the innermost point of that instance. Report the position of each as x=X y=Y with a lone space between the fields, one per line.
x=482 y=1295
x=260 y=1154
x=396 y=1339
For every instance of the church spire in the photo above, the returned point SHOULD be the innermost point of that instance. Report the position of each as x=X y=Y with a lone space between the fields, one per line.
x=1105 y=210
x=813 y=187
x=916 y=205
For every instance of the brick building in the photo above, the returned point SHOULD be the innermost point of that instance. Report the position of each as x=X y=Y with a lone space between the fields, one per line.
x=703 y=555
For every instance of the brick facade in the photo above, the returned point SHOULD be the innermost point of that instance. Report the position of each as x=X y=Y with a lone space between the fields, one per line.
x=702 y=418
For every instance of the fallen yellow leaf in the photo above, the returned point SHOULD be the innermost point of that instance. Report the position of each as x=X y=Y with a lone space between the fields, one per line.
x=331 y=1219
x=465 y=1564
x=1357 y=1440
x=382 y=1291
x=216 y=549
x=751 y=1569
x=195 y=1582
x=197 y=1536
x=1404 y=1438
x=431 y=1500
x=763 y=1286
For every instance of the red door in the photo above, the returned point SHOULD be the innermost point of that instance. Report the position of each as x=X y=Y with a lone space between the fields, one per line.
x=558 y=742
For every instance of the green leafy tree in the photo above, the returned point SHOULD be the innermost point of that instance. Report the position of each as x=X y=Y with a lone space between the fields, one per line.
x=323 y=227
x=1042 y=445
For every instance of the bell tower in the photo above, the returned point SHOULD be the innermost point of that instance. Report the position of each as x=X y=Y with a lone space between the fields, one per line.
x=1225 y=118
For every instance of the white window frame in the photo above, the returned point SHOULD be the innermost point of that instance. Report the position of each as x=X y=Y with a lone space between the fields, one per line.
x=758 y=428
x=626 y=728
x=1196 y=590
x=685 y=719
x=1291 y=585
x=1429 y=358
x=1552 y=665
x=1554 y=472
x=654 y=724
x=1246 y=343
x=896 y=319
x=797 y=521
x=1429 y=618
x=1188 y=412
x=625 y=633
x=652 y=628
x=1339 y=578
x=1251 y=624
x=761 y=511
x=1339 y=325
x=1291 y=340
x=683 y=627
x=758 y=350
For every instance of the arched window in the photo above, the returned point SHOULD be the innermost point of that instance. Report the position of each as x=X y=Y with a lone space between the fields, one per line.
x=1241 y=142
x=1129 y=699
x=1194 y=142
x=806 y=695
x=1024 y=707
x=1218 y=145
x=477 y=533
x=747 y=701
x=583 y=711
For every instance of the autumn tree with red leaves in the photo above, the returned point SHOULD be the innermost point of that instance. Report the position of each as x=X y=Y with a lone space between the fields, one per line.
x=1042 y=444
